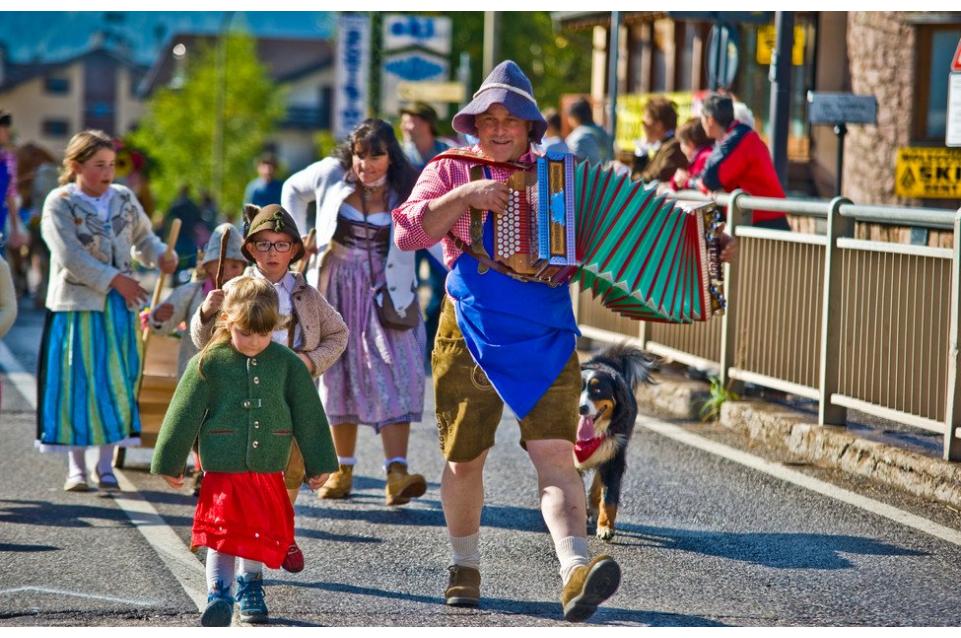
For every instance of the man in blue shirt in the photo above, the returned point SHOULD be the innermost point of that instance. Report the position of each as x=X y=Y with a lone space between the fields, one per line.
x=264 y=189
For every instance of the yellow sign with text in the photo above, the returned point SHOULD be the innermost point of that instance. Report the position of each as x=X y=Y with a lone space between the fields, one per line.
x=928 y=173
x=767 y=39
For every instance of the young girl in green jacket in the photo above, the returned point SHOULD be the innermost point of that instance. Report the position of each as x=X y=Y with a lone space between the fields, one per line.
x=245 y=398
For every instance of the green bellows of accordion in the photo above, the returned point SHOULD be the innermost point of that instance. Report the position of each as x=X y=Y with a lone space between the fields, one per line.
x=640 y=255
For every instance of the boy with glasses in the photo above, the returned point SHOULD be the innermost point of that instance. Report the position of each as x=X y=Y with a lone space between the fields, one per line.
x=315 y=330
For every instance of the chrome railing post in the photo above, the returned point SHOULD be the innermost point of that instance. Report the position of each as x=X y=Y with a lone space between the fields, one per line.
x=952 y=413
x=735 y=217
x=830 y=352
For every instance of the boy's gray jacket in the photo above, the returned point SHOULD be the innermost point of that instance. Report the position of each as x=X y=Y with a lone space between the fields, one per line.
x=324 y=330
x=84 y=255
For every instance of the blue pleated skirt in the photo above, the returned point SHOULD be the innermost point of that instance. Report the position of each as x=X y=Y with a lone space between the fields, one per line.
x=88 y=375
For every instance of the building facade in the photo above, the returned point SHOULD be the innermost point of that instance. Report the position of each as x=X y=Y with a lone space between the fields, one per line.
x=901 y=58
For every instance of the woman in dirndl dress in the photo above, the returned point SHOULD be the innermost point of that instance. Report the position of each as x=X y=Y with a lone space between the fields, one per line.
x=90 y=351
x=379 y=380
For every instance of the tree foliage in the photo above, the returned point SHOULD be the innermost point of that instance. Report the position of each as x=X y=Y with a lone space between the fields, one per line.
x=556 y=61
x=180 y=124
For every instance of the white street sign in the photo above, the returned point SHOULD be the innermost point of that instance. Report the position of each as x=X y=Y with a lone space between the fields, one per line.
x=953 y=124
x=351 y=64
x=432 y=33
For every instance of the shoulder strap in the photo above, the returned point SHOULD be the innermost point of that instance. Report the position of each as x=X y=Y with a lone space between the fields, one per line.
x=466 y=154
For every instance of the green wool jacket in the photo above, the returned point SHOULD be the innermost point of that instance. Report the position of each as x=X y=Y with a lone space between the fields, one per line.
x=245 y=412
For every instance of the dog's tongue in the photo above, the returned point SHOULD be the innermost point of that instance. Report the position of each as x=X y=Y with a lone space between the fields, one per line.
x=585 y=428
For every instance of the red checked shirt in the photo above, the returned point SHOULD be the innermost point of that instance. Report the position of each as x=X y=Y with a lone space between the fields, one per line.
x=439 y=178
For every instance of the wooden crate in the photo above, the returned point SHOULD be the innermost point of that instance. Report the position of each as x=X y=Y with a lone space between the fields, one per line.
x=157 y=385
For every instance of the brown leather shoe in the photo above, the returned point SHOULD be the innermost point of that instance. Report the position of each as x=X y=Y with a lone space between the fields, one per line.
x=338 y=484
x=589 y=586
x=401 y=486
x=463 y=588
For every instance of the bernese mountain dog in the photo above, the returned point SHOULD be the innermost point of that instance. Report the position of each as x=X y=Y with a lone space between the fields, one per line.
x=608 y=410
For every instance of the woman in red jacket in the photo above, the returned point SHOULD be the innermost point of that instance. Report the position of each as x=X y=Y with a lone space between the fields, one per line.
x=740 y=160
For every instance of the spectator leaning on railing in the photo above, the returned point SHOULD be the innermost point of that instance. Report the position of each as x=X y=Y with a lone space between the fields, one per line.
x=740 y=160
x=697 y=147
x=660 y=155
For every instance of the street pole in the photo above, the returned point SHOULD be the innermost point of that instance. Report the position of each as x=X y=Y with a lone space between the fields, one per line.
x=780 y=105
x=612 y=74
x=840 y=129
x=492 y=53
x=217 y=169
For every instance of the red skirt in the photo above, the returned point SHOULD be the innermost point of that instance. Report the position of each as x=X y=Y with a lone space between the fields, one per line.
x=246 y=514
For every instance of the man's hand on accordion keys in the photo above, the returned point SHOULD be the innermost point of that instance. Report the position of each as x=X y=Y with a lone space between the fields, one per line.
x=487 y=194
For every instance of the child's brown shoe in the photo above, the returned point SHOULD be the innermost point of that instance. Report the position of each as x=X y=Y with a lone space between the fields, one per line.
x=589 y=586
x=401 y=486
x=463 y=588
x=338 y=484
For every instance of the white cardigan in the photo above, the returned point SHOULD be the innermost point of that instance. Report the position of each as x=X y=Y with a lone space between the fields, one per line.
x=323 y=182
x=84 y=257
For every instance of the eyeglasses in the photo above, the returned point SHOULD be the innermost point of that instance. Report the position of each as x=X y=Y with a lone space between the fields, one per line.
x=279 y=246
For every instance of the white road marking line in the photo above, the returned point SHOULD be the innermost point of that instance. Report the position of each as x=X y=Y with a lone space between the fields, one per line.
x=176 y=556
x=783 y=473
x=135 y=602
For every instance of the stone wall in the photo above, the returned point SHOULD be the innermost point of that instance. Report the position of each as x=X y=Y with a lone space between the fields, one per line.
x=881 y=50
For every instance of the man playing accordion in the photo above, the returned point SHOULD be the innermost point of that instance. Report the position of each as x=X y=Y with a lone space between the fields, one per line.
x=501 y=339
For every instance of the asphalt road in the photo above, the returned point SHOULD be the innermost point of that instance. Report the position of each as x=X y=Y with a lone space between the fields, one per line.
x=704 y=541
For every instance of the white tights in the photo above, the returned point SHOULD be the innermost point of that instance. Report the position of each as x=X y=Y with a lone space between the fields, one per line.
x=77 y=463
x=222 y=568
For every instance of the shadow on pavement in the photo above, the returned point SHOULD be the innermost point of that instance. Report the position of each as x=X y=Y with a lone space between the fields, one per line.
x=58 y=515
x=551 y=610
x=497 y=516
x=13 y=547
x=782 y=551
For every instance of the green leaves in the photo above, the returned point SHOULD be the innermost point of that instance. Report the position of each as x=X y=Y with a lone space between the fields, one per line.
x=711 y=410
x=182 y=126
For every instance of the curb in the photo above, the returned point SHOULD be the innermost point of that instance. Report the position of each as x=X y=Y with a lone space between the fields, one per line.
x=822 y=445
x=834 y=447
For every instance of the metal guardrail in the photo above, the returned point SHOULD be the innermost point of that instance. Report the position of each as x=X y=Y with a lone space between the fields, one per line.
x=850 y=323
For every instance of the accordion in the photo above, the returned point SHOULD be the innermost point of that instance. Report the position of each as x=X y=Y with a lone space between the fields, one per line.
x=642 y=255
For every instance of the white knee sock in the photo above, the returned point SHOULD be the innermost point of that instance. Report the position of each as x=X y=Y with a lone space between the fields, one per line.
x=220 y=569
x=76 y=463
x=466 y=550
x=571 y=552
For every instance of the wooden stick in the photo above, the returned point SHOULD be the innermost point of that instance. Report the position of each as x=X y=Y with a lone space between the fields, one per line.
x=172 y=235
x=219 y=279
x=309 y=245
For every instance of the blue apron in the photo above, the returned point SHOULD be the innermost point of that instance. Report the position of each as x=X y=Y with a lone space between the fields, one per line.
x=521 y=334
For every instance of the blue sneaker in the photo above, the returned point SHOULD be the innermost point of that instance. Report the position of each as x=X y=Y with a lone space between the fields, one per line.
x=220 y=608
x=250 y=595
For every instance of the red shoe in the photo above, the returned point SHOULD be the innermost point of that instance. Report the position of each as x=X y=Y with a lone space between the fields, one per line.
x=294 y=560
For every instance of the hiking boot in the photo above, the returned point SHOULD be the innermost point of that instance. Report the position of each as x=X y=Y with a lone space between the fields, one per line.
x=463 y=588
x=220 y=608
x=250 y=597
x=294 y=560
x=589 y=586
x=338 y=484
x=401 y=486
